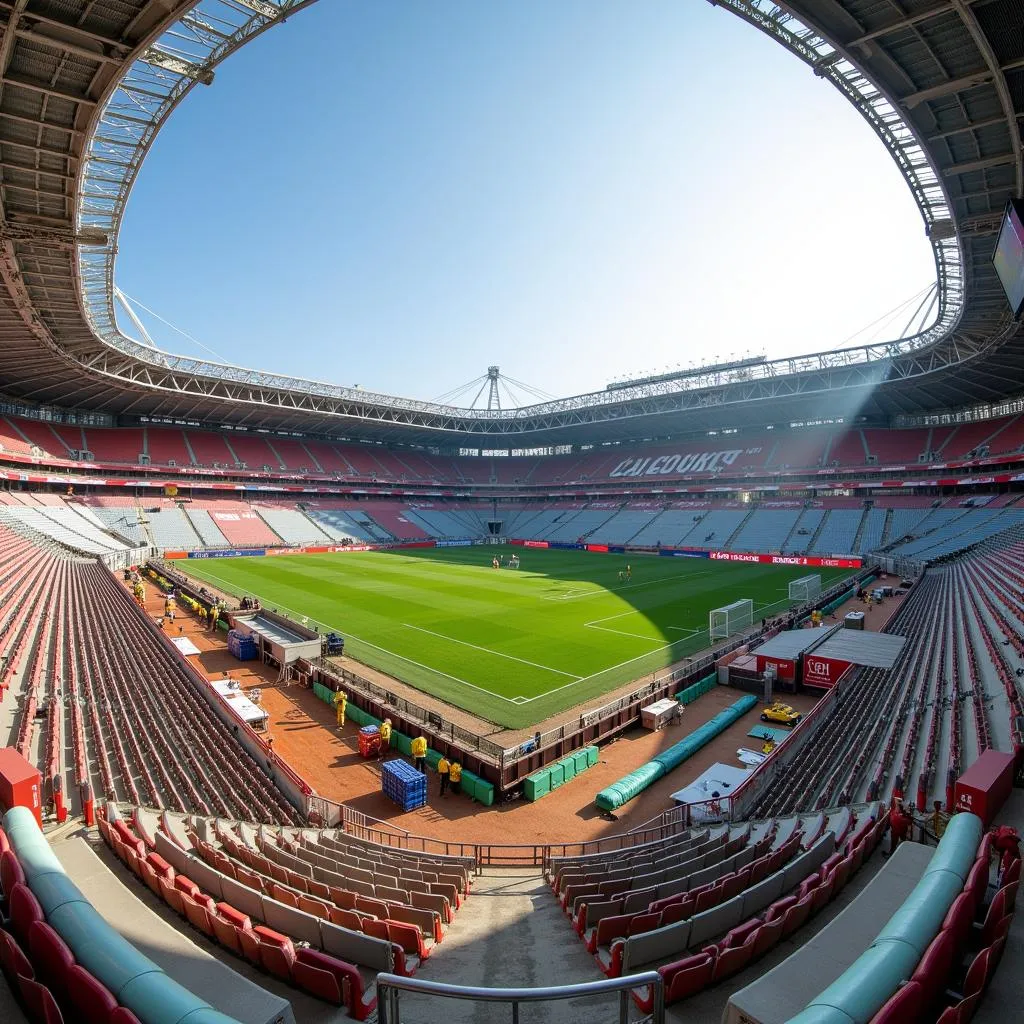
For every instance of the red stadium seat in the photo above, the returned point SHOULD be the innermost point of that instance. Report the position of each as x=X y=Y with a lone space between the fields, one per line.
x=39 y=1001
x=90 y=999
x=13 y=961
x=903 y=1007
x=51 y=956
x=24 y=909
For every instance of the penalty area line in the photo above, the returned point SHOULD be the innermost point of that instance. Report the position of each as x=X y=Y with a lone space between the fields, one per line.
x=487 y=650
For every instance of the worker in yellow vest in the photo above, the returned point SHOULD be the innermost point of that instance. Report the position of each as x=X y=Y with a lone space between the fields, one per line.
x=443 y=768
x=385 y=737
x=455 y=775
x=419 y=753
x=340 y=703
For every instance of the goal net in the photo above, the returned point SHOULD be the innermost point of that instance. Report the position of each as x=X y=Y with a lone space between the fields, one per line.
x=731 y=618
x=805 y=589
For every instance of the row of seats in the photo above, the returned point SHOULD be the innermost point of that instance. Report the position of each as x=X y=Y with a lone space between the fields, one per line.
x=951 y=975
x=38 y=964
x=771 y=912
x=336 y=893
x=314 y=970
x=267 y=454
x=828 y=765
x=73 y=642
x=63 y=959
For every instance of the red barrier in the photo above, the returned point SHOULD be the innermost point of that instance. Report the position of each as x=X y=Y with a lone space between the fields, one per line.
x=984 y=787
x=20 y=784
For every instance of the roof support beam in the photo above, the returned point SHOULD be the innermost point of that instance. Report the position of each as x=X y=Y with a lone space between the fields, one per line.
x=978 y=165
x=97 y=53
x=990 y=122
x=914 y=99
x=44 y=150
x=75 y=30
x=999 y=80
x=41 y=125
x=902 y=23
x=6 y=165
x=48 y=90
x=177 y=65
x=261 y=7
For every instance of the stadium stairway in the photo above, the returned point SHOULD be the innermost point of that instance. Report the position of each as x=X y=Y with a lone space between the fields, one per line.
x=511 y=933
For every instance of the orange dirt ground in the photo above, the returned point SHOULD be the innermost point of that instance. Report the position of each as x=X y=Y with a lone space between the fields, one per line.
x=306 y=736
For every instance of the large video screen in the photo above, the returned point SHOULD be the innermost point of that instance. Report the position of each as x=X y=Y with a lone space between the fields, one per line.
x=1009 y=256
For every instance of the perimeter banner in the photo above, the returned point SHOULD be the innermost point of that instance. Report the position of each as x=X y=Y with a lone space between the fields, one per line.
x=812 y=561
x=230 y=553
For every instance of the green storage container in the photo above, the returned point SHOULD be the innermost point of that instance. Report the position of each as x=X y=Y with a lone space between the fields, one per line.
x=401 y=742
x=433 y=757
x=537 y=785
x=592 y=755
x=476 y=788
x=557 y=775
x=568 y=767
x=581 y=760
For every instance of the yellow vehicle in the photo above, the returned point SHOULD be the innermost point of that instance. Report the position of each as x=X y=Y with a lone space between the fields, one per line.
x=781 y=714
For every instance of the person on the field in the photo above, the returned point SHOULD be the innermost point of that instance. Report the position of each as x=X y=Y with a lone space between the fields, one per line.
x=443 y=768
x=455 y=776
x=629 y=572
x=494 y=562
x=419 y=752
x=385 y=737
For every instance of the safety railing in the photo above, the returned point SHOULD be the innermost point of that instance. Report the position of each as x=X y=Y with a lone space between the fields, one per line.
x=390 y=987
x=523 y=855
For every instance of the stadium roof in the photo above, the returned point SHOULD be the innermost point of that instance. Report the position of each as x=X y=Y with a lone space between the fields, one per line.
x=85 y=86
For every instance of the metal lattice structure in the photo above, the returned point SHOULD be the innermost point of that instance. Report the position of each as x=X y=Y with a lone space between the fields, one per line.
x=85 y=87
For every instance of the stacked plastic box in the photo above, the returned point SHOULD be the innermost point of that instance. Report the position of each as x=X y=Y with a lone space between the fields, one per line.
x=403 y=784
x=369 y=741
x=242 y=646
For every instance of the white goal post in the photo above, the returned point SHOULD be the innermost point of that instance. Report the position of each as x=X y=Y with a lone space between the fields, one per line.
x=731 y=618
x=805 y=589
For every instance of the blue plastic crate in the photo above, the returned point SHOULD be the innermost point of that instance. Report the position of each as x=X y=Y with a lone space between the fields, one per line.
x=404 y=785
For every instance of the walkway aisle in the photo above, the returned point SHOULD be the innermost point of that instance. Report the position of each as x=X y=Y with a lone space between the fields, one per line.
x=511 y=932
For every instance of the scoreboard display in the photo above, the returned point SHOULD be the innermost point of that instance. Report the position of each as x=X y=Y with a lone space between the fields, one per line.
x=1008 y=258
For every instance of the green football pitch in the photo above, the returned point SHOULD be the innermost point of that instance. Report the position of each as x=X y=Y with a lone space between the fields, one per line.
x=514 y=646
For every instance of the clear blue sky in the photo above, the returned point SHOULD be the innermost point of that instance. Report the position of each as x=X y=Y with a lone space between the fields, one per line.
x=397 y=194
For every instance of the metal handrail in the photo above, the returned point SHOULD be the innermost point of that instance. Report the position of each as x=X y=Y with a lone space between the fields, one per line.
x=389 y=987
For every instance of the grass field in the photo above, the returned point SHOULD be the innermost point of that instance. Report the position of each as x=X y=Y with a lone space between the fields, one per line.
x=511 y=646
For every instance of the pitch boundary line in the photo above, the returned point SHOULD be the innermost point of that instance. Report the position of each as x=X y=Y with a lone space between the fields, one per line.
x=622 y=632
x=490 y=693
x=497 y=654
